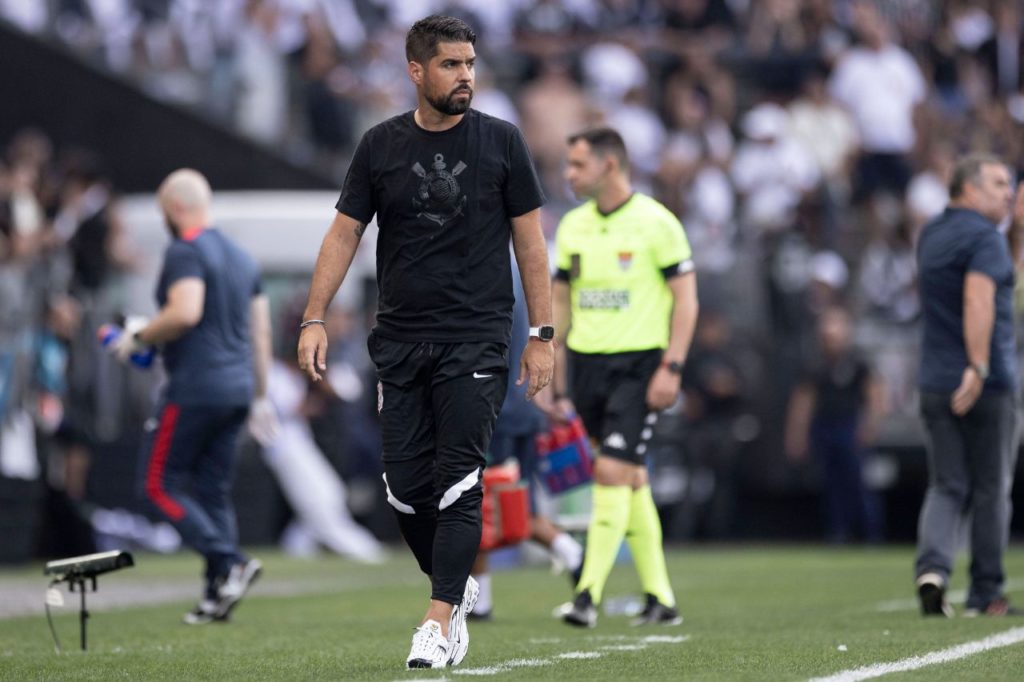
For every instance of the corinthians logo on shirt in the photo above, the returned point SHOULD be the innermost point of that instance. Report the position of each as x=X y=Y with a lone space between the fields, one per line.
x=437 y=197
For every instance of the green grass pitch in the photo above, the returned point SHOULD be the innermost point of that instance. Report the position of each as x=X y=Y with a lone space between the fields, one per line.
x=752 y=613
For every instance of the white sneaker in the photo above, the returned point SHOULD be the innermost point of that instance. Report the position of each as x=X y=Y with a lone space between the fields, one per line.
x=429 y=648
x=239 y=580
x=458 y=632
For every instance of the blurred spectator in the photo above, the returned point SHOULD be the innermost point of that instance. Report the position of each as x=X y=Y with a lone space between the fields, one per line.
x=888 y=273
x=717 y=392
x=28 y=16
x=834 y=415
x=88 y=222
x=553 y=107
x=928 y=192
x=880 y=84
x=1003 y=52
x=771 y=171
x=825 y=130
x=782 y=43
x=312 y=487
x=261 y=75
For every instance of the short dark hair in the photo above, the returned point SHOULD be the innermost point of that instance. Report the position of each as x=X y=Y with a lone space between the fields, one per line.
x=604 y=141
x=422 y=39
x=968 y=169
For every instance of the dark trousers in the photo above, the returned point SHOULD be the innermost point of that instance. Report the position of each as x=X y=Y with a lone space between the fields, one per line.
x=188 y=469
x=970 y=472
x=438 y=404
x=849 y=506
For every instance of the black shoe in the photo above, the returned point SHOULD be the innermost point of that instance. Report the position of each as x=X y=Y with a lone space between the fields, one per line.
x=931 y=591
x=480 y=616
x=656 y=613
x=575 y=575
x=583 y=613
x=997 y=608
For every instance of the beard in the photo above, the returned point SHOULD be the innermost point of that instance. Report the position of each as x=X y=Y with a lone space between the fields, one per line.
x=448 y=106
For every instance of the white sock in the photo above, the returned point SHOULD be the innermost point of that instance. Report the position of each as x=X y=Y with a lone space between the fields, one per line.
x=483 y=600
x=568 y=551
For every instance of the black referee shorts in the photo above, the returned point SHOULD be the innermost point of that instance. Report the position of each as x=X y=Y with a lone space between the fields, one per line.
x=610 y=394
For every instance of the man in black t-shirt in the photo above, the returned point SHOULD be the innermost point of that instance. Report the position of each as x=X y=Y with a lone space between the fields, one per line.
x=214 y=329
x=834 y=414
x=449 y=186
x=968 y=381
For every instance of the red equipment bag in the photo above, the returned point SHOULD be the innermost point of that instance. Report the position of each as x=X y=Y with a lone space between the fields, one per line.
x=563 y=456
x=506 y=508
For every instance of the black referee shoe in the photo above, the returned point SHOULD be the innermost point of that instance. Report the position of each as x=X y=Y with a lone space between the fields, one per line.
x=583 y=613
x=931 y=591
x=656 y=613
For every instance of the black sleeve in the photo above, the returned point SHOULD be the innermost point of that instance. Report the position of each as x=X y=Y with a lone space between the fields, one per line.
x=182 y=261
x=522 y=186
x=356 y=199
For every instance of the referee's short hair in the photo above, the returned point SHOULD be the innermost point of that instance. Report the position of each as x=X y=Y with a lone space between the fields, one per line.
x=422 y=39
x=968 y=169
x=602 y=141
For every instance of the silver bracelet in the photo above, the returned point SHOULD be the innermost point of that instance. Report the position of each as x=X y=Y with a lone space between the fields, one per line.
x=309 y=322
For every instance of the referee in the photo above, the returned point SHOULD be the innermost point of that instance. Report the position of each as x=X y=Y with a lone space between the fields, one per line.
x=625 y=306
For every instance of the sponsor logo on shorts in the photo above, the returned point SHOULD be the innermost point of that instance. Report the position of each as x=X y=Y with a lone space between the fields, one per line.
x=616 y=441
x=380 y=396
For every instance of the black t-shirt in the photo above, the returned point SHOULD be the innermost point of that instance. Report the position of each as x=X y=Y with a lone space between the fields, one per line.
x=953 y=244
x=212 y=364
x=443 y=202
x=839 y=387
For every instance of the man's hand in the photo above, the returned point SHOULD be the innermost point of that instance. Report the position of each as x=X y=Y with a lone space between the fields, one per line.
x=967 y=393
x=558 y=409
x=126 y=344
x=263 y=423
x=538 y=364
x=313 y=351
x=663 y=389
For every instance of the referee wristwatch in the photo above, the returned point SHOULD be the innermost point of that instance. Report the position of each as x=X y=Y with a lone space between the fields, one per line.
x=673 y=366
x=981 y=369
x=544 y=332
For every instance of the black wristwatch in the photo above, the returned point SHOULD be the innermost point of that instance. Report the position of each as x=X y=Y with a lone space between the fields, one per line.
x=544 y=332
x=674 y=367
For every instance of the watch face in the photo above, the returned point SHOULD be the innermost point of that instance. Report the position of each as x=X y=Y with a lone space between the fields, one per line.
x=547 y=333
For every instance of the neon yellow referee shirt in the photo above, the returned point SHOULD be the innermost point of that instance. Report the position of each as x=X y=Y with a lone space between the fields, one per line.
x=616 y=266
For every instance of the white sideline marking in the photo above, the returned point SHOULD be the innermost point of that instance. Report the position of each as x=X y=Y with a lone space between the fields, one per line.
x=1008 y=638
x=639 y=644
x=665 y=639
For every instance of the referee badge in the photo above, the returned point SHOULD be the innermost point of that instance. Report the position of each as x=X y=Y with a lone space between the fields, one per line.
x=625 y=259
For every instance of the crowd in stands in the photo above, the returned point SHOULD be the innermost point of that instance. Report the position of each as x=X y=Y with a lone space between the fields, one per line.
x=803 y=143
